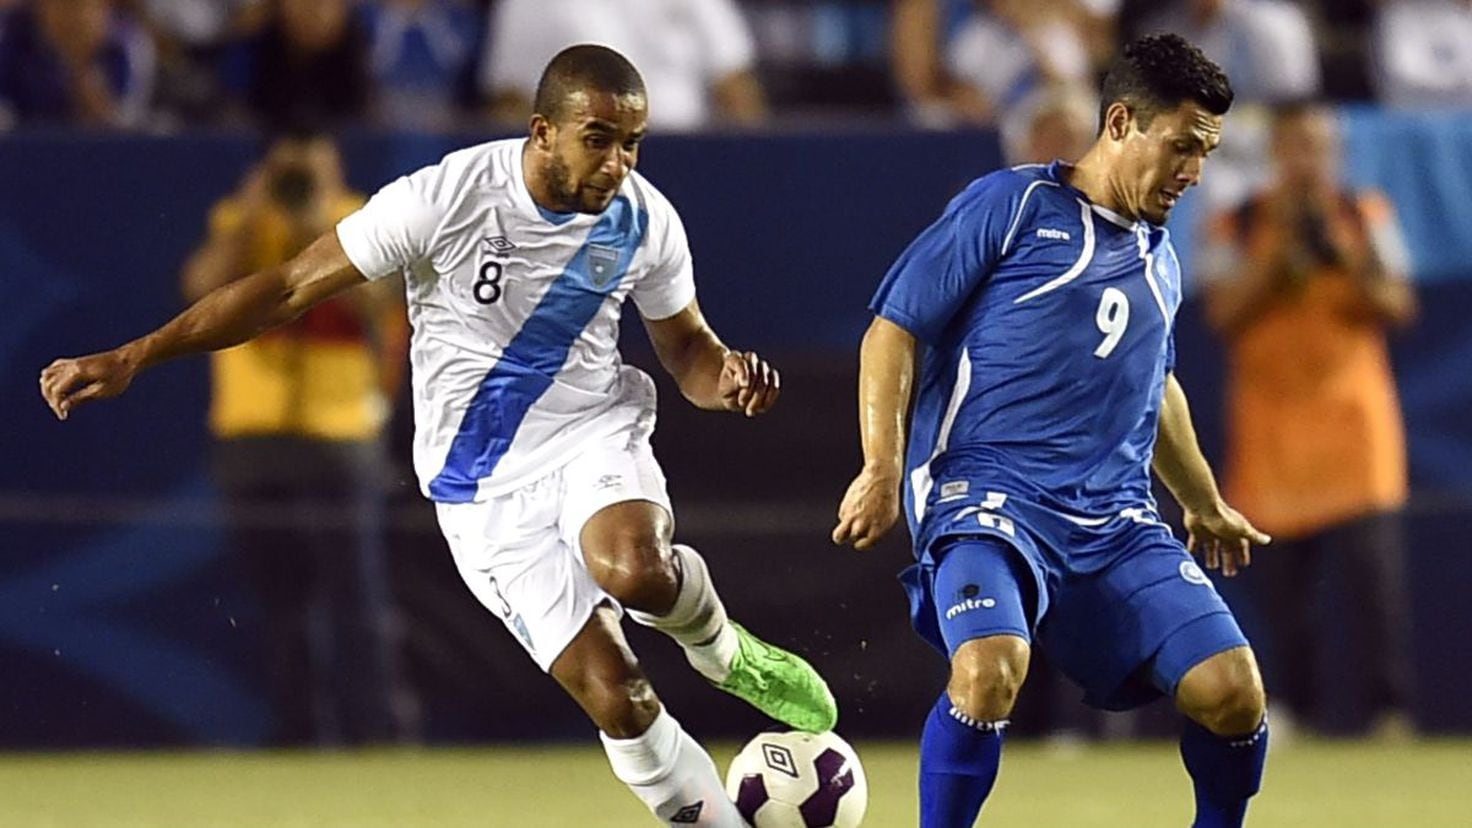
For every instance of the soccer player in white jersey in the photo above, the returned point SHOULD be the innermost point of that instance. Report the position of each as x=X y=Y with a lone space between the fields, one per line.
x=530 y=435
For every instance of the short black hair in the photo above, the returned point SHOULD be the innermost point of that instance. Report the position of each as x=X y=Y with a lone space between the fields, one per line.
x=585 y=67
x=1159 y=72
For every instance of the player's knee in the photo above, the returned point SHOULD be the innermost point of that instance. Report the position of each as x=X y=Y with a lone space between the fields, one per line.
x=637 y=567
x=986 y=675
x=1224 y=694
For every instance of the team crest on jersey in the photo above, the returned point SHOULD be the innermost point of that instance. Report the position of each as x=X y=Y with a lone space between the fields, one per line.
x=1192 y=574
x=602 y=263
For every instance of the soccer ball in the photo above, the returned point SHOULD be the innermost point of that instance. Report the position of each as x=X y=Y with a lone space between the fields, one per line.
x=798 y=780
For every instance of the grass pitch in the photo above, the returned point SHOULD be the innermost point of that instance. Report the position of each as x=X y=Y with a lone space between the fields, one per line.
x=1424 y=785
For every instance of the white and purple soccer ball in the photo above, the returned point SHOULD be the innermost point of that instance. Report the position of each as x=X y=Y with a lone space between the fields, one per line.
x=798 y=780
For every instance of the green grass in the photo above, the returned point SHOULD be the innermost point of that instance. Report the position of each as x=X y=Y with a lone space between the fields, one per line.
x=1137 y=785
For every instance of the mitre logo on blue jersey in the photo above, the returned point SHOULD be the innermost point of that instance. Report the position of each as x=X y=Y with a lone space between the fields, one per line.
x=966 y=601
x=602 y=263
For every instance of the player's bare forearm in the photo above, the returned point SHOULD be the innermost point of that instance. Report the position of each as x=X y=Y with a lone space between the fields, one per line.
x=227 y=316
x=1178 y=458
x=241 y=310
x=691 y=353
x=886 y=377
x=1219 y=533
x=710 y=375
x=870 y=507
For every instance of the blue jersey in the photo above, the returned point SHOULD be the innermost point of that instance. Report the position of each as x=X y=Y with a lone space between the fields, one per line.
x=1047 y=322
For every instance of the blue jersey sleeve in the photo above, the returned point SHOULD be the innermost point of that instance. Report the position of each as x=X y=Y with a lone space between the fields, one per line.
x=947 y=262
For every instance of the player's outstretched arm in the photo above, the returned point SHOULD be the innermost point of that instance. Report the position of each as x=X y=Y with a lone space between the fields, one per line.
x=871 y=505
x=710 y=375
x=226 y=316
x=1220 y=533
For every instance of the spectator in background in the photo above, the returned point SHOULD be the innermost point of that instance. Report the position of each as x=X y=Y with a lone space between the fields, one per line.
x=697 y=56
x=81 y=62
x=976 y=68
x=297 y=415
x=1423 y=51
x=1266 y=47
x=192 y=37
x=308 y=64
x=1303 y=282
x=421 y=56
x=1056 y=122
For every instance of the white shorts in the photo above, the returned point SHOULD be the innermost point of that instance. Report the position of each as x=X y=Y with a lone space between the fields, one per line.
x=520 y=552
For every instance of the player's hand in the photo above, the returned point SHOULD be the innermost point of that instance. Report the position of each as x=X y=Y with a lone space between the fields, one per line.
x=1223 y=538
x=748 y=383
x=68 y=383
x=870 y=507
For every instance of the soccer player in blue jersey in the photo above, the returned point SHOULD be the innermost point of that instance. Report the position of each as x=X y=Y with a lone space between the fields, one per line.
x=1041 y=306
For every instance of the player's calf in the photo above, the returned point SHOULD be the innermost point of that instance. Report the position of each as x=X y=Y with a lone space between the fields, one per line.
x=647 y=749
x=986 y=675
x=601 y=674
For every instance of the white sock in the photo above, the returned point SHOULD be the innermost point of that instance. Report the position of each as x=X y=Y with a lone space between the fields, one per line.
x=672 y=774
x=697 y=620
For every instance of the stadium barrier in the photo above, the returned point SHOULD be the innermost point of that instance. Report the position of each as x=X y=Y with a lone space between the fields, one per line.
x=122 y=621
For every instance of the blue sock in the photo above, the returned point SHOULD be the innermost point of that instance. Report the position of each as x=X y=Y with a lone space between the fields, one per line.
x=958 y=764
x=1226 y=772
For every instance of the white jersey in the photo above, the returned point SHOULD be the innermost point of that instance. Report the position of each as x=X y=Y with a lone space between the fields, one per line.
x=515 y=312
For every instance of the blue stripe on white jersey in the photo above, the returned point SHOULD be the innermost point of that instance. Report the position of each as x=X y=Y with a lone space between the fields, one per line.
x=532 y=359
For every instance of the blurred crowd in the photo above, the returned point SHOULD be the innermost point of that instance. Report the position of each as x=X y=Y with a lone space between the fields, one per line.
x=161 y=65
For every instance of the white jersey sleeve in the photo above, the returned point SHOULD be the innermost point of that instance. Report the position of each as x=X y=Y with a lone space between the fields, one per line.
x=396 y=228
x=669 y=286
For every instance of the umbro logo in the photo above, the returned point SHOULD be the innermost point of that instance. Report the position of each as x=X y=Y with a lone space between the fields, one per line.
x=1050 y=233
x=689 y=815
x=500 y=245
x=780 y=759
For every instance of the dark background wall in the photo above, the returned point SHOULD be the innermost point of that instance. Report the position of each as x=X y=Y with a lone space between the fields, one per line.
x=123 y=622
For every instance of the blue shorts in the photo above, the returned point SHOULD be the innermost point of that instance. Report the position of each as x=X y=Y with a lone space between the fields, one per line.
x=1127 y=633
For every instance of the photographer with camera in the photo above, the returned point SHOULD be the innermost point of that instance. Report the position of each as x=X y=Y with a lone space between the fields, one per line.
x=297 y=416
x=1303 y=282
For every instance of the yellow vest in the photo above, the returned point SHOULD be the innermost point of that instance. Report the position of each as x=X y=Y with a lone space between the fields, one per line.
x=315 y=377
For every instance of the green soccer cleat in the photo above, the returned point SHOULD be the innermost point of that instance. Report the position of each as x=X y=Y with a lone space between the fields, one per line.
x=780 y=684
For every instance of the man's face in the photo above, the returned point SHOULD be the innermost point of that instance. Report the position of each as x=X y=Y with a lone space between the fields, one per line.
x=1305 y=149
x=1155 y=166
x=593 y=146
